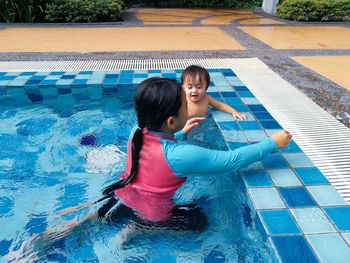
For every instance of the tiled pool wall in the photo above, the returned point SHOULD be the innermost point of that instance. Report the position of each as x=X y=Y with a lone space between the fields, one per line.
x=294 y=206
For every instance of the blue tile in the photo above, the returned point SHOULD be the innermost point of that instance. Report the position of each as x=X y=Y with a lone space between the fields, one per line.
x=57 y=73
x=230 y=125
x=82 y=76
x=312 y=220
x=250 y=101
x=32 y=82
x=34 y=97
x=36 y=224
x=270 y=124
x=216 y=255
x=228 y=94
x=257 y=107
x=79 y=82
x=330 y=248
x=144 y=76
x=346 y=237
x=64 y=91
x=255 y=178
x=111 y=76
x=266 y=198
x=292 y=147
x=259 y=226
x=279 y=222
x=241 y=88
x=8 y=77
x=5 y=246
x=234 y=145
x=311 y=176
x=28 y=73
x=293 y=249
x=326 y=195
x=245 y=94
x=68 y=77
x=340 y=216
x=241 y=108
x=284 y=177
x=249 y=125
x=296 y=197
x=85 y=72
x=298 y=160
x=255 y=135
x=169 y=75
x=222 y=116
x=234 y=101
x=274 y=161
x=228 y=72
x=263 y=116
x=233 y=136
x=154 y=71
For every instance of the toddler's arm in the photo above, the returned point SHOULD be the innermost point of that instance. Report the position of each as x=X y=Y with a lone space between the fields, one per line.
x=226 y=108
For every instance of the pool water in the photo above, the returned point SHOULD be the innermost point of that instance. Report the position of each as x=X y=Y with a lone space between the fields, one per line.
x=61 y=154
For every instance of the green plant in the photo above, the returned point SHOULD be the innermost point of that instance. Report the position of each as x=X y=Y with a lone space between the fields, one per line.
x=83 y=10
x=314 y=10
x=21 y=10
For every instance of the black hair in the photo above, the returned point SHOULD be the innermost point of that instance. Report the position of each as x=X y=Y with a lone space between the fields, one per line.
x=156 y=99
x=193 y=71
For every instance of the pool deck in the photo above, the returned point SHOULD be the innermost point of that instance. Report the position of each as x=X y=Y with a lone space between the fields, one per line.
x=148 y=33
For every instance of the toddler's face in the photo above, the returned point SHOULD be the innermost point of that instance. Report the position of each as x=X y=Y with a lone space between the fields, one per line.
x=194 y=88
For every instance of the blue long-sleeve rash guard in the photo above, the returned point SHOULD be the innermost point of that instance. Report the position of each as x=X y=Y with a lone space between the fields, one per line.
x=186 y=159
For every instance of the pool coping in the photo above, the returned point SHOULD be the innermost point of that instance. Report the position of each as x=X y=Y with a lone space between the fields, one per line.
x=321 y=137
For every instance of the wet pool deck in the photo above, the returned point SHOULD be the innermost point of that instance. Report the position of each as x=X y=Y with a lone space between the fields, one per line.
x=202 y=33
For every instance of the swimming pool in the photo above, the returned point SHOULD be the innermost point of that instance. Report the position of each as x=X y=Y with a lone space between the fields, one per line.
x=277 y=187
x=45 y=169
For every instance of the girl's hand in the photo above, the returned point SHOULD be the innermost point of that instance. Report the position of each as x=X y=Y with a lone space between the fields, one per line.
x=191 y=123
x=281 y=138
x=239 y=115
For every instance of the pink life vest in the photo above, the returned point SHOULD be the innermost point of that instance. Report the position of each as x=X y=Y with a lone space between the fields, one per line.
x=150 y=193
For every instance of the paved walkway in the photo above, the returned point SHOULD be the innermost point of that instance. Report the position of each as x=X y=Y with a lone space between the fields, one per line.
x=312 y=57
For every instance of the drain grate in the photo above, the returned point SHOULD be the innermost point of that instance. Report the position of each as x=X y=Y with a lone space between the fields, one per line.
x=323 y=139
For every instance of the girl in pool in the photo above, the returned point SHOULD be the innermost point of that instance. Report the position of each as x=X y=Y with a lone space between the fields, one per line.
x=157 y=166
x=195 y=81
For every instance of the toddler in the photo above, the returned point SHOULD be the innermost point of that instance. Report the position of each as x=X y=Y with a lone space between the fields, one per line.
x=195 y=81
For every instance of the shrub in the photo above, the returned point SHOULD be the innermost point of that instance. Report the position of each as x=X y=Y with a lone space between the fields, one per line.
x=314 y=10
x=21 y=10
x=83 y=10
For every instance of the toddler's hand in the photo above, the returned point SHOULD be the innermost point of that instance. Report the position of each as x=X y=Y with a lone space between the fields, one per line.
x=239 y=115
x=191 y=123
x=281 y=138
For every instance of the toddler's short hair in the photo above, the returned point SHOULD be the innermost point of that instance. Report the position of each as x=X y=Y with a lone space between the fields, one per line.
x=193 y=71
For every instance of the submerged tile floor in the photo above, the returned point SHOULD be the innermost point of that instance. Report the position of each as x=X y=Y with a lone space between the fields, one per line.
x=296 y=208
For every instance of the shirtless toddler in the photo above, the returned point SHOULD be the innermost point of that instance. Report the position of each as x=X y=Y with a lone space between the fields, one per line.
x=195 y=81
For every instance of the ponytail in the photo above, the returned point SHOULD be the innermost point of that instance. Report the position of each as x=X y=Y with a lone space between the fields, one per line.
x=136 y=146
